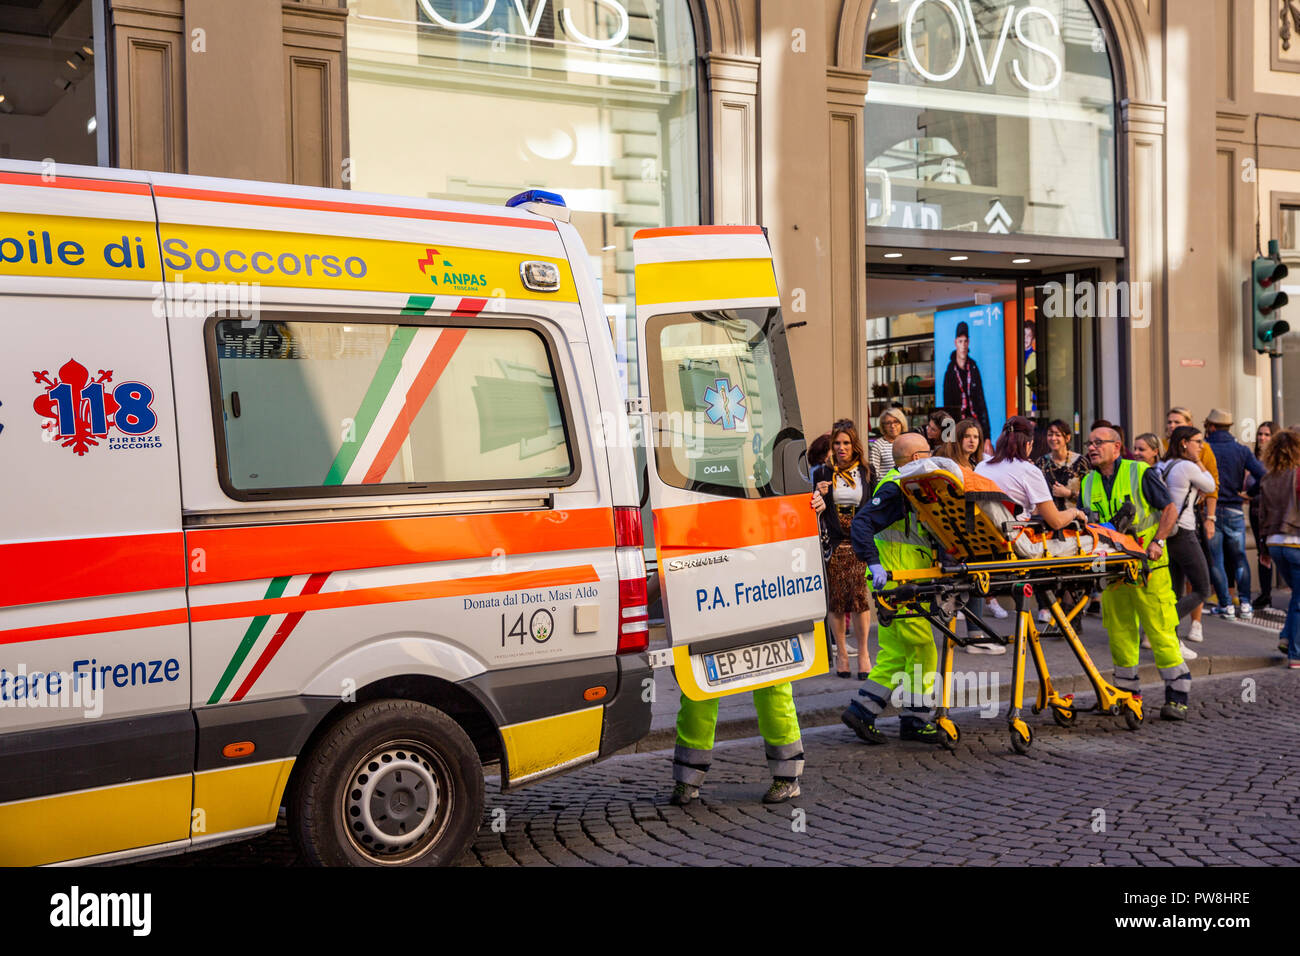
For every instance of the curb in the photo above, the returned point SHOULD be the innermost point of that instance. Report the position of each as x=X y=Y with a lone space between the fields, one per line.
x=666 y=737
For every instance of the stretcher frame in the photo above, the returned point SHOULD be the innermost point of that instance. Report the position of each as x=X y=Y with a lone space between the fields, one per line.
x=937 y=593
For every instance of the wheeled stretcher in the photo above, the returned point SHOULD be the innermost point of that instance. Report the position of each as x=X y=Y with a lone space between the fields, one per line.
x=984 y=552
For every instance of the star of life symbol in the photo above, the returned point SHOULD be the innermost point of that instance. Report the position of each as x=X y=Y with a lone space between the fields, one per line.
x=726 y=403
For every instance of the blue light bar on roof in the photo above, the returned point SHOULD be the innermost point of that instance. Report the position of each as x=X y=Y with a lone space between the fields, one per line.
x=536 y=195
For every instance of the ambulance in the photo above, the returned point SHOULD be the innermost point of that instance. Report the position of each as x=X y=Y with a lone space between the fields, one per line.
x=318 y=503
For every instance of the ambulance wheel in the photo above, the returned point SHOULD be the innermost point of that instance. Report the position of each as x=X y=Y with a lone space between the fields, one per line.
x=393 y=783
x=1021 y=744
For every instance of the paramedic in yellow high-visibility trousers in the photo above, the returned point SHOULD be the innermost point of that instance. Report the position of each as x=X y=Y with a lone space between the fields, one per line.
x=888 y=537
x=1113 y=483
x=777 y=722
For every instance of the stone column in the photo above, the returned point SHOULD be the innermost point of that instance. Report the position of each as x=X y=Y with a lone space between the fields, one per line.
x=146 y=45
x=733 y=98
x=846 y=92
x=1148 y=347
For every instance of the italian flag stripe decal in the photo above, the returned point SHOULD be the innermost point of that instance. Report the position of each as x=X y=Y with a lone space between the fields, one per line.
x=408 y=371
x=314 y=583
x=254 y=631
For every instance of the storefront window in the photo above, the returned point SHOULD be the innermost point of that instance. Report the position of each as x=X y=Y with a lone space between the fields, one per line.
x=49 y=79
x=477 y=100
x=990 y=116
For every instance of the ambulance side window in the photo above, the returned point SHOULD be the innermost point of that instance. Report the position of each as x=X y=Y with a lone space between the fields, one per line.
x=721 y=388
x=310 y=407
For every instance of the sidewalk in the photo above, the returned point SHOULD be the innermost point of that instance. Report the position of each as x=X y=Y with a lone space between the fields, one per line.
x=1228 y=647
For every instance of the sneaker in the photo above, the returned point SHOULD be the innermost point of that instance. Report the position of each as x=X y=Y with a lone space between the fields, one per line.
x=1044 y=616
x=684 y=793
x=995 y=649
x=1293 y=664
x=781 y=791
x=1173 y=711
x=1228 y=613
x=1188 y=653
x=1247 y=612
x=1194 y=633
x=862 y=724
x=923 y=732
x=1282 y=646
x=1263 y=603
x=998 y=611
x=1146 y=642
x=977 y=649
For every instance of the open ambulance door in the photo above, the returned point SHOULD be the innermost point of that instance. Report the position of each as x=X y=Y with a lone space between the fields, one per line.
x=740 y=564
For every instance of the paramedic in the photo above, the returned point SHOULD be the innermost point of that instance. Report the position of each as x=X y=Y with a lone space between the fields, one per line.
x=887 y=537
x=777 y=722
x=1111 y=484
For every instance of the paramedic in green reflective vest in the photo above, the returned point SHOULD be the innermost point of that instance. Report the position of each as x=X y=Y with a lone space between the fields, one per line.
x=1113 y=482
x=887 y=536
x=778 y=722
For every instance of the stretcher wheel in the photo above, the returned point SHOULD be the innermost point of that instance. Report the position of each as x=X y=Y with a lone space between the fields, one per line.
x=1132 y=719
x=950 y=740
x=1065 y=717
x=1021 y=744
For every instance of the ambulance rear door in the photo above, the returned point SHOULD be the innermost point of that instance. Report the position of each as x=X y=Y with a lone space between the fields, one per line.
x=735 y=535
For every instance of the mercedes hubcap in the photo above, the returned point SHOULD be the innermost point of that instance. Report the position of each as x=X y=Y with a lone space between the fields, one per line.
x=396 y=802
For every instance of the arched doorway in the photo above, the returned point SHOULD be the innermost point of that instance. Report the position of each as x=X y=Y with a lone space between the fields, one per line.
x=993 y=181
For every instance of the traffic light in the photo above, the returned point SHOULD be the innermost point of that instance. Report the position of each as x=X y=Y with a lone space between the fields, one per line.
x=1266 y=299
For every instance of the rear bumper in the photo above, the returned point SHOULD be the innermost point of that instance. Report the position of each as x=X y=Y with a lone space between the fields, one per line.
x=553 y=717
x=627 y=713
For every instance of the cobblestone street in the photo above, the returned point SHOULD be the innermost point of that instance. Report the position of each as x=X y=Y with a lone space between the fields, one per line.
x=1218 y=789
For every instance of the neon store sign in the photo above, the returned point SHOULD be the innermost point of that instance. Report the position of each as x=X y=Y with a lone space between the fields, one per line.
x=531 y=19
x=987 y=54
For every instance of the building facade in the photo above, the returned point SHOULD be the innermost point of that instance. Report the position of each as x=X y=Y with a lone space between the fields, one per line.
x=1077 y=185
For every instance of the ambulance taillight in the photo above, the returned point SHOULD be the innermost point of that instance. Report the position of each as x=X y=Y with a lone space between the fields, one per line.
x=633 y=609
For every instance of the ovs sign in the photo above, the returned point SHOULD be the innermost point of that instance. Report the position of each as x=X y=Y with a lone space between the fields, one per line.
x=987 y=66
x=530 y=21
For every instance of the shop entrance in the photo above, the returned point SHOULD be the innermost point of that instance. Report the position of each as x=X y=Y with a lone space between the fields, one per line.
x=1023 y=351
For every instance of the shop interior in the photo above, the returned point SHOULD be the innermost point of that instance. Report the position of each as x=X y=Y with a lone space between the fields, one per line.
x=1031 y=359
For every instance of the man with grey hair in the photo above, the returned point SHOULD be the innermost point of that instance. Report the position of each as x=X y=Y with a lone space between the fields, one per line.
x=1114 y=485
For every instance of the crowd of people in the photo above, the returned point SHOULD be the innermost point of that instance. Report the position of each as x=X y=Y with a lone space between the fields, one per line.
x=1215 y=482
x=1189 y=498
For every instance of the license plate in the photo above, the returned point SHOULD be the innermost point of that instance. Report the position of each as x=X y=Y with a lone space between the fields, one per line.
x=724 y=667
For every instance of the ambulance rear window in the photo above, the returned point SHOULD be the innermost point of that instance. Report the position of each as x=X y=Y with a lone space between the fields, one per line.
x=723 y=407
x=312 y=408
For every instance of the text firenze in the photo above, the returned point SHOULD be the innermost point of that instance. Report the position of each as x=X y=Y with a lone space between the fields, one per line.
x=765 y=590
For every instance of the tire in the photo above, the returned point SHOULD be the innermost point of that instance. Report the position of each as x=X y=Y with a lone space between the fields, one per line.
x=1021 y=744
x=392 y=783
x=1131 y=719
x=1060 y=716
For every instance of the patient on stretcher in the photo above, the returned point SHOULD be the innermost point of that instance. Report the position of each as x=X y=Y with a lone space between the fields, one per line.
x=972 y=519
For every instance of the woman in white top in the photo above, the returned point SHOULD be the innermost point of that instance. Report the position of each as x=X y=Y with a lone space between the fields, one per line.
x=892 y=423
x=1022 y=481
x=1187 y=480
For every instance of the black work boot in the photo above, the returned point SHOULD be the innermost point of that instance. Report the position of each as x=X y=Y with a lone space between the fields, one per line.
x=862 y=723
